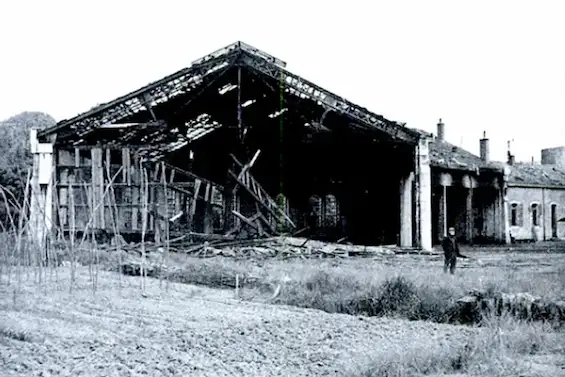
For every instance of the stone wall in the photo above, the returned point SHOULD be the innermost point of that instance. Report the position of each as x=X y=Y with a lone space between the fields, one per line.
x=523 y=198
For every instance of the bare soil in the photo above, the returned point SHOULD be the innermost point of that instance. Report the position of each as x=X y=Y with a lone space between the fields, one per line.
x=185 y=331
x=197 y=331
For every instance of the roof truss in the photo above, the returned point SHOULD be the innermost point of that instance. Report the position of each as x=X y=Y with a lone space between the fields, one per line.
x=202 y=73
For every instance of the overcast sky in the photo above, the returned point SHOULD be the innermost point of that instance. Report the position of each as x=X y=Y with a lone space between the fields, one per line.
x=495 y=66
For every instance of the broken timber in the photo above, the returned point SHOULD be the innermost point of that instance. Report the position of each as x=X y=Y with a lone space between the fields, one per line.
x=263 y=202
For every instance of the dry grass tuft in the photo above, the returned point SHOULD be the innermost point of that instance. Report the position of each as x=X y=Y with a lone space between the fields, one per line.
x=375 y=289
x=395 y=296
x=501 y=348
x=12 y=332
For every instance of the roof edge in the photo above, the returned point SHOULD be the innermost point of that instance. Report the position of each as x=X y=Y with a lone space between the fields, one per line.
x=240 y=49
x=533 y=185
x=220 y=53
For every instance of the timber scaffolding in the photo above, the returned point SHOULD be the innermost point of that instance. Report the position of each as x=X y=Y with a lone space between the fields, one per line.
x=157 y=198
x=237 y=147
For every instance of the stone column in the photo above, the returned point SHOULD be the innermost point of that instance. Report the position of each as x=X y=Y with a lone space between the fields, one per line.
x=505 y=210
x=41 y=201
x=497 y=212
x=505 y=219
x=469 y=183
x=424 y=192
x=445 y=180
x=406 y=187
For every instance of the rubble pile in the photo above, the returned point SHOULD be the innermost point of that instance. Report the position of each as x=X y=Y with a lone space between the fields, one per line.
x=273 y=247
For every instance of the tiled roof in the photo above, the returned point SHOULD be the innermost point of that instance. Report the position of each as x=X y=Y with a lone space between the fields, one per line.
x=448 y=156
x=536 y=175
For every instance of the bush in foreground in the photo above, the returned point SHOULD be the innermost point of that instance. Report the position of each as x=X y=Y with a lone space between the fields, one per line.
x=395 y=296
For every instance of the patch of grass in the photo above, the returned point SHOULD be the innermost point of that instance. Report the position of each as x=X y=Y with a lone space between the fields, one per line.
x=324 y=290
x=415 y=294
x=213 y=275
x=499 y=349
x=395 y=296
x=14 y=333
x=406 y=287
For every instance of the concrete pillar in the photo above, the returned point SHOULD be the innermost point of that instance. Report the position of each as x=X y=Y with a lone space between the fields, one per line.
x=497 y=212
x=505 y=220
x=469 y=218
x=41 y=201
x=470 y=184
x=442 y=214
x=445 y=180
x=505 y=210
x=406 y=187
x=424 y=197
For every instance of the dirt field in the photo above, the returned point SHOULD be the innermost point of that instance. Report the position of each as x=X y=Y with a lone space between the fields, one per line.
x=199 y=331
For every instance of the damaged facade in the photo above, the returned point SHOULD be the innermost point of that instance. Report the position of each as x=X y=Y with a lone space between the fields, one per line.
x=468 y=192
x=234 y=144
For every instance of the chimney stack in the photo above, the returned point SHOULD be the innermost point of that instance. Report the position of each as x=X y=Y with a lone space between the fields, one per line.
x=511 y=158
x=553 y=156
x=485 y=150
x=440 y=131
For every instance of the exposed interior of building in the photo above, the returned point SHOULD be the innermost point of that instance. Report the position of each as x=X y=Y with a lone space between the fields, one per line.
x=235 y=145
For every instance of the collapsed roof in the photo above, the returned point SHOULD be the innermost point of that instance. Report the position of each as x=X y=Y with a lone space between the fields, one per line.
x=168 y=115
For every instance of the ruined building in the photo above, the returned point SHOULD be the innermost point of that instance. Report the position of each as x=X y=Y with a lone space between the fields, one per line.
x=236 y=144
x=468 y=192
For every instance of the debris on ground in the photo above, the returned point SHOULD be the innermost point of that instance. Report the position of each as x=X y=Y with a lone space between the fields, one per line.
x=272 y=247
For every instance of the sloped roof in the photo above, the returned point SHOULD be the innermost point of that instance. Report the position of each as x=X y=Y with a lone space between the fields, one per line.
x=528 y=175
x=451 y=157
x=202 y=72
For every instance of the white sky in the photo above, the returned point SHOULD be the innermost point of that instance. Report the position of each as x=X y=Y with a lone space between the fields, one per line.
x=492 y=65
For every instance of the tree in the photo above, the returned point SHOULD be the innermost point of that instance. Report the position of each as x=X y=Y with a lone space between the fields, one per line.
x=15 y=154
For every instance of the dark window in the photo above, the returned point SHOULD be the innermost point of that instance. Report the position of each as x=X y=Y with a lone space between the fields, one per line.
x=115 y=156
x=514 y=214
x=554 y=220
x=535 y=214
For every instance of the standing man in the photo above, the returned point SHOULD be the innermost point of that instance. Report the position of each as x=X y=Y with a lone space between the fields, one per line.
x=451 y=251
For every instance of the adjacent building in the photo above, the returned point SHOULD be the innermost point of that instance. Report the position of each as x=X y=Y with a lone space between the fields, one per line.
x=536 y=197
x=492 y=201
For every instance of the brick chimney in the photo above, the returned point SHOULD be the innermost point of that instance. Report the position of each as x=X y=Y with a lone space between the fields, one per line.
x=485 y=150
x=440 y=131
